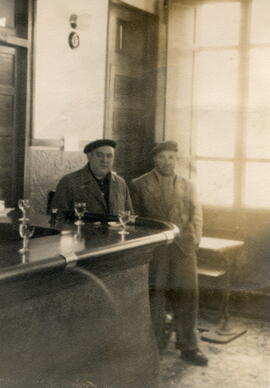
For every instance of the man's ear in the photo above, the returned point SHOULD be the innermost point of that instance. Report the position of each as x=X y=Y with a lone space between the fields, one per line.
x=89 y=155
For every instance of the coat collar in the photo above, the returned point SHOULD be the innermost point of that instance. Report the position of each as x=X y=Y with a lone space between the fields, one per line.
x=87 y=176
x=163 y=202
x=159 y=177
x=89 y=182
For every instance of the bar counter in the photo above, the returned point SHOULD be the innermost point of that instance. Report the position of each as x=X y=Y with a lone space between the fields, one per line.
x=75 y=309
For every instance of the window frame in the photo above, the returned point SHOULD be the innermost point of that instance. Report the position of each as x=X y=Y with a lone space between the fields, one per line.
x=236 y=220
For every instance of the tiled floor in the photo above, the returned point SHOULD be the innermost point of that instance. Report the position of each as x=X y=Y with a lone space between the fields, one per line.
x=242 y=363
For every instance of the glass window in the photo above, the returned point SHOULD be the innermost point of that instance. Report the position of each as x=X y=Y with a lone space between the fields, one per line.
x=217 y=78
x=259 y=80
x=215 y=132
x=231 y=94
x=7 y=13
x=218 y=24
x=215 y=182
x=257 y=185
x=258 y=114
x=260 y=22
x=258 y=134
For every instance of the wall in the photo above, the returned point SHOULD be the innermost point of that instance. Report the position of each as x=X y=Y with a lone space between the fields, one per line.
x=68 y=89
x=161 y=71
x=47 y=167
x=69 y=83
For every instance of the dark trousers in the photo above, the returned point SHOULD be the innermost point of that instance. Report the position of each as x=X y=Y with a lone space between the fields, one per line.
x=173 y=282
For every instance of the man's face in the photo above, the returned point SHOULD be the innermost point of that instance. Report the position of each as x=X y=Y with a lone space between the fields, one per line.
x=165 y=162
x=101 y=160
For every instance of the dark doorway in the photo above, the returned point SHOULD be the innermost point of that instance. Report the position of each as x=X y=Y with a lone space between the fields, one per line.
x=131 y=89
x=13 y=97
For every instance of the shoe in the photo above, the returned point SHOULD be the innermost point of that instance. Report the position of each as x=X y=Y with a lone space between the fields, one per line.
x=195 y=357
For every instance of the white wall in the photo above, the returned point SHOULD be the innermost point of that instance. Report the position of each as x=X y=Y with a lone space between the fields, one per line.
x=69 y=84
x=178 y=123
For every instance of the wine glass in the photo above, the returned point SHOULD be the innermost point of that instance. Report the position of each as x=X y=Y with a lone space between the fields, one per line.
x=78 y=234
x=24 y=205
x=124 y=218
x=26 y=232
x=132 y=219
x=80 y=209
x=53 y=218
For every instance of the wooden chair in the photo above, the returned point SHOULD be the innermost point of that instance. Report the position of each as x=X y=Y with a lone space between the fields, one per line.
x=49 y=201
x=216 y=260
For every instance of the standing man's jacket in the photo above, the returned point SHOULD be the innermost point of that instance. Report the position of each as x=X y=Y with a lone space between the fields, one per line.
x=181 y=207
x=81 y=186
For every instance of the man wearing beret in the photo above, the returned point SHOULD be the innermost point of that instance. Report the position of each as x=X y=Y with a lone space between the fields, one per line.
x=103 y=191
x=163 y=195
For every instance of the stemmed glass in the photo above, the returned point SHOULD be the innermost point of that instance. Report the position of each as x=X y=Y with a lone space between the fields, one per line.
x=24 y=205
x=78 y=234
x=53 y=218
x=124 y=218
x=80 y=209
x=26 y=232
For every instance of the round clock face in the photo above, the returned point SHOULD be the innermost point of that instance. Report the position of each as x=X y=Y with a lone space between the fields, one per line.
x=74 y=40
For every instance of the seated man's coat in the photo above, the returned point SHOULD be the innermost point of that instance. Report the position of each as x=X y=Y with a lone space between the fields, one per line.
x=81 y=186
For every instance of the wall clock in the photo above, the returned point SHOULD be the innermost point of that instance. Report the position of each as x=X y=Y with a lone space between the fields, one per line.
x=74 y=40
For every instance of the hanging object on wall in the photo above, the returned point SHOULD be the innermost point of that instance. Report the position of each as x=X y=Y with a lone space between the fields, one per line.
x=74 y=40
x=73 y=19
x=77 y=21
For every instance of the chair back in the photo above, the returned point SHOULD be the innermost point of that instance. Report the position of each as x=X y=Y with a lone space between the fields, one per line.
x=49 y=201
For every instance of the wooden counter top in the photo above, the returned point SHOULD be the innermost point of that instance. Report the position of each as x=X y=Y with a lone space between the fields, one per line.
x=65 y=244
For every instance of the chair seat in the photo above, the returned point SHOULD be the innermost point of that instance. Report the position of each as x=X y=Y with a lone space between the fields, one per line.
x=210 y=272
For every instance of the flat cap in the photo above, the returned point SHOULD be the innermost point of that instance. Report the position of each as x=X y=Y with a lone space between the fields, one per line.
x=99 y=143
x=168 y=145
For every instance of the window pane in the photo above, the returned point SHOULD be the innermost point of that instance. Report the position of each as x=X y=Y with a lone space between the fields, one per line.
x=257 y=187
x=215 y=133
x=215 y=182
x=218 y=24
x=258 y=134
x=260 y=21
x=258 y=116
x=216 y=82
x=7 y=11
x=259 y=80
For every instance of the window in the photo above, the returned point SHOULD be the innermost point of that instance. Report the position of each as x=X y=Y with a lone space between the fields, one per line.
x=231 y=111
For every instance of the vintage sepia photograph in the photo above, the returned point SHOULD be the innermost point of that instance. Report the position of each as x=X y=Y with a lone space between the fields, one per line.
x=134 y=193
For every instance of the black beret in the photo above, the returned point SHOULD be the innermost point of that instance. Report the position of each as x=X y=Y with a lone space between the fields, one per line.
x=99 y=143
x=168 y=145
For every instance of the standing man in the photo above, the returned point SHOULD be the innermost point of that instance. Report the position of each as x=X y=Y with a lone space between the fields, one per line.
x=163 y=195
x=103 y=191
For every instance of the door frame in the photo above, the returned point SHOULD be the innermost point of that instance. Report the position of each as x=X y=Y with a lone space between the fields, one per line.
x=22 y=107
x=25 y=184
x=109 y=86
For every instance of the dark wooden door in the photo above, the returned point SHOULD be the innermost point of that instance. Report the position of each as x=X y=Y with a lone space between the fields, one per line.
x=131 y=91
x=13 y=69
x=7 y=97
